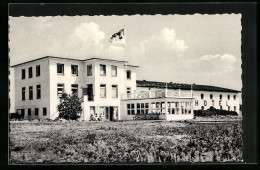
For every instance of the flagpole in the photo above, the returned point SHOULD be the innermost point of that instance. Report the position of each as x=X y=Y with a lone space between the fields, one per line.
x=125 y=48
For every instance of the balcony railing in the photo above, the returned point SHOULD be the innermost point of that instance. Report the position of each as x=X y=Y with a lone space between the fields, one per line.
x=156 y=94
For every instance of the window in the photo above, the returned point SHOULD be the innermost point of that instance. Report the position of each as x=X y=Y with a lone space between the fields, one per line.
x=228 y=97
x=220 y=96
x=89 y=70
x=30 y=72
x=211 y=96
x=38 y=91
x=114 y=71
x=158 y=107
x=131 y=109
x=74 y=70
x=220 y=107
x=102 y=70
x=60 y=89
x=102 y=90
x=182 y=108
x=128 y=74
x=30 y=92
x=234 y=97
x=114 y=91
x=60 y=68
x=36 y=112
x=29 y=112
x=23 y=93
x=228 y=108
x=44 y=111
x=173 y=107
x=142 y=108
x=202 y=107
x=235 y=108
x=74 y=88
x=202 y=96
x=38 y=71
x=23 y=73
x=128 y=92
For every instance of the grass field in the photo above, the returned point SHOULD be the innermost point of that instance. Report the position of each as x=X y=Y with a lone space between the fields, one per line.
x=125 y=142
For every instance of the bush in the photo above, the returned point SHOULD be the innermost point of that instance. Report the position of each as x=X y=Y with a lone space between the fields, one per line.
x=70 y=107
x=214 y=112
x=16 y=116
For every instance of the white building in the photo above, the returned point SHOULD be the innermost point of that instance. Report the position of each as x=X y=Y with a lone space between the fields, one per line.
x=109 y=90
x=204 y=96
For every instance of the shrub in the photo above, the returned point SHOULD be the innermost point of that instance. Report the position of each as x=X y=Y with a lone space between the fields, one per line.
x=70 y=107
x=214 y=112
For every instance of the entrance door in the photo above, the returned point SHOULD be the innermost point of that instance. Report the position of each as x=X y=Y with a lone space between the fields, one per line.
x=90 y=92
x=111 y=113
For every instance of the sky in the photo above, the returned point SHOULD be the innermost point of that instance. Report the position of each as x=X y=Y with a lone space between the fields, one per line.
x=200 y=49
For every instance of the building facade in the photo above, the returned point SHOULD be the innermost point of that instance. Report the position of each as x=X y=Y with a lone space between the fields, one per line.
x=109 y=91
x=40 y=83
x=204 y=96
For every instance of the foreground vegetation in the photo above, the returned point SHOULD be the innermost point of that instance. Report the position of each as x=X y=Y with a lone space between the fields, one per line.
x=125 y=142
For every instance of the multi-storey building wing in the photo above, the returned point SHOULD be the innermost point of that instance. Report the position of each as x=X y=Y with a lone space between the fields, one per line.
x=109 y=91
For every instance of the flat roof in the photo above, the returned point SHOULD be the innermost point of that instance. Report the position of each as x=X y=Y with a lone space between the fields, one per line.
x=102 y=59
x=155 y=84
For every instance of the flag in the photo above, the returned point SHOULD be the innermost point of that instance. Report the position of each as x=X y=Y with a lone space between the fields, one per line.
x=118 y=37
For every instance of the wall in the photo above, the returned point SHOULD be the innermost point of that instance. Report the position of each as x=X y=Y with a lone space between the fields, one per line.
x=207 y=102
x=67 y=79
x=125 y=116
x=96 y=79
x=43 y=80
x=216 y=101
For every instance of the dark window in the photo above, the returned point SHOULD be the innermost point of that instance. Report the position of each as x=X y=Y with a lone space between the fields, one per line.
x=60 y=68
x=38 y=91
x=202 y=96
x=38 y=70
x=128 y=92
x=74 y=88
x=60 y=89
x=102 y=90
x=235 y=108
x=44 y=111
x=202 y=107
x=220 y=107
x=211 y=96
x=234 y=97
x=89 y=70
x=220 y=96
x=30 y=72
x=30 y=92
x=228 y=97
x=36 y=111
x=29 y=112
x=23 y=93
x=128 y=74
x=23 y=73
x=74 y=70
x=102 y=70
x=114 y=91
x=228 y=108
x=114 y=71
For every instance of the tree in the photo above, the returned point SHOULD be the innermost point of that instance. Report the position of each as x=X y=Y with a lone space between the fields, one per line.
x=70 y=107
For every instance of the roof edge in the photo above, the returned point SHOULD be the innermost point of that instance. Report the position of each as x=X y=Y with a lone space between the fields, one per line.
x=222 y=89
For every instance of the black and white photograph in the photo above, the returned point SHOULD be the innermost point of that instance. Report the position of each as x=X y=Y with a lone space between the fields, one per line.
x=125 y=89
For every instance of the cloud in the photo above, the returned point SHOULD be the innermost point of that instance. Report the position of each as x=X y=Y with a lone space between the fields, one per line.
x=88 y=33
x=161 y=46
x=224 y=57
x=166 y=40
